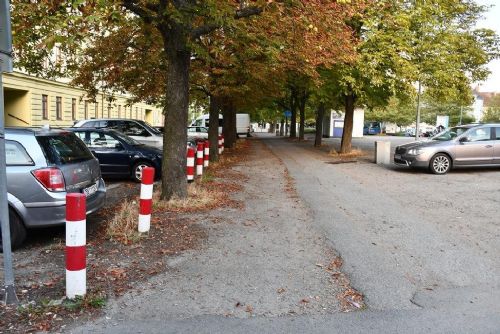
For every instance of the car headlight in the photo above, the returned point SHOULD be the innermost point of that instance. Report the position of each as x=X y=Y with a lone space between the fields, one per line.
x=415 y=151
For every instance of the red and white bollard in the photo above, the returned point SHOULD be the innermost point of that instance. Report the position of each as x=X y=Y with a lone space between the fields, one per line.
x=220 y=144
x=199 y=158
x=207 y=154
x=190 y=164
x=76 y=239
x=146 y=199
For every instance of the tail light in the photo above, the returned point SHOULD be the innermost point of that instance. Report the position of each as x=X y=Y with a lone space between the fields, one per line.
x=50 y=178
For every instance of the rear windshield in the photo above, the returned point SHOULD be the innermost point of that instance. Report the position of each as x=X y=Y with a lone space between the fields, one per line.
x=64 y=148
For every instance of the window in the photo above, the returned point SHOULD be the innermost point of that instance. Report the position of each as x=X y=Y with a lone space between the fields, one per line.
x=59 y=107
x=497 y=130
x=96 y=111
x=109 y=110
x=64 y=148
x=86 y=110
x=102 y=140
x=45 y=107
x=16 y=154
x=73 y=109
x=119 y=111
x=136 y=113
x=479 y=134
x=134 y=129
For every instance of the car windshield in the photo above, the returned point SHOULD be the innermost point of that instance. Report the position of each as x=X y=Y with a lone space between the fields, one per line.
x=128 y=140
x=63 y=148
x=150 y=128
x=450 y=133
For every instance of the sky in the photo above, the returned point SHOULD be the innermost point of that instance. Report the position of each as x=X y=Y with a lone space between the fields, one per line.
x=492 y=21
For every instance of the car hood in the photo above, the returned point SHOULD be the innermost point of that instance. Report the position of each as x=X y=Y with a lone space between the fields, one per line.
x=425 y=143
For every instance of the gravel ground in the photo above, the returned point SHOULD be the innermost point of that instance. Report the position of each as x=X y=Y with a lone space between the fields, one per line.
x=262 y=260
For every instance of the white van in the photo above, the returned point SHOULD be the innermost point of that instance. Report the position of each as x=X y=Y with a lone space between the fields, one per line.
x=242 y=123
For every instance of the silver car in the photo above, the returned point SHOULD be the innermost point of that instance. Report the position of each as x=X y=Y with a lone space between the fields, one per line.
x=42 y=166
x=467 y=145
x=139 y=130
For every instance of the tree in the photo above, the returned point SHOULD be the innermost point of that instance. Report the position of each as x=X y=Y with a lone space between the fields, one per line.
x=165 y=30
x=492 y=112
x=403 y=42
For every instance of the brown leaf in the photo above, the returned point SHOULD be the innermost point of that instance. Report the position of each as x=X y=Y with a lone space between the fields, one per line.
x=281 y=290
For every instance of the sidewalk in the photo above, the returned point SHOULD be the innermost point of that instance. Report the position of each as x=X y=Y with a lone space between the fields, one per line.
x=262 y=260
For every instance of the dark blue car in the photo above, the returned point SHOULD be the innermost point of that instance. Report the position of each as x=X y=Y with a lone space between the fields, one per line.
x=118 y=154
x=372 y=128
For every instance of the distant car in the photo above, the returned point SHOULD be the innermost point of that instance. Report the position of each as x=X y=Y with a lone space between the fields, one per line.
x=137 y=129
x=467 y=145
x=372 y=128
x=120 y=155
x=42 y=166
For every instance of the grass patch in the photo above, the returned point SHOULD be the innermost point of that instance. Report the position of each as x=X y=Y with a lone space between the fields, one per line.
x=123 y=226
x=199 y=198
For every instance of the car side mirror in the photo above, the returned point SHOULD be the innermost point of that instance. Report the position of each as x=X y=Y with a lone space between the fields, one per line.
x=463 y=140
x=119 y=146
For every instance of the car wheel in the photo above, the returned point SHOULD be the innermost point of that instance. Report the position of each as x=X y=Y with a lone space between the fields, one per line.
x=137 y=170
x=440 y=164
x=17 y=231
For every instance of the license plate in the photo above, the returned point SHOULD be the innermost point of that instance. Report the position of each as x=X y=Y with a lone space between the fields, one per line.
x=397 y=156
x=89 y=191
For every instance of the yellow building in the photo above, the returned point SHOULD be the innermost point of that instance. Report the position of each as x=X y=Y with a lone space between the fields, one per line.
x=31 y=101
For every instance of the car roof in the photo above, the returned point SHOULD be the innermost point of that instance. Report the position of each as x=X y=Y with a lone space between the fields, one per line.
x=92 y=129
x=36 y=131
x=110 y=119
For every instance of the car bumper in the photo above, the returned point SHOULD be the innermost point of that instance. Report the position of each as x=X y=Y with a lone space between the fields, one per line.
x=411 y=160
x=54 y=213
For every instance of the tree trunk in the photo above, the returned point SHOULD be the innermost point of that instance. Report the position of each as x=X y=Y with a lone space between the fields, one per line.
x=320 y=114
x=229 y=128
x=174 y=182
x=302 y=109
x=345 y=146
x=293 y=118
x=282 y=127
x=213 y=129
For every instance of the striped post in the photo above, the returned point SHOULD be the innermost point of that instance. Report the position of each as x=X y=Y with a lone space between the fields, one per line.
x=220 y=143
x=76 y=239
x=199 y=159
x=190 y=164
x=207 y=154
x=146 y=199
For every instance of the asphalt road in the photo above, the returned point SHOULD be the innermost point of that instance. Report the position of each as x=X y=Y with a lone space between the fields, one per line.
x=422 y=248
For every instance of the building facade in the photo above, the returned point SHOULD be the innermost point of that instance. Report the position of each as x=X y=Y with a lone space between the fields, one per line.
x=31 y=101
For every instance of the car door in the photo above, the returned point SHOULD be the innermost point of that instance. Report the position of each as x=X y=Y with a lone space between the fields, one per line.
x=496 y=145
x=475 y=147
x=112 y=155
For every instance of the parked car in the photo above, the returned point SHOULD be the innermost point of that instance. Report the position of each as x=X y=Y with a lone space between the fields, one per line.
x=137 y=129
x=42 y=166
x=372 y=128
x=120 y=155
x=467 y=145
x=197 y=132
x=242 y=123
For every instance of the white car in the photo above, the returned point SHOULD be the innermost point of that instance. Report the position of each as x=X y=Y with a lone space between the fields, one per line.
x=197 y=132
x=137 y=129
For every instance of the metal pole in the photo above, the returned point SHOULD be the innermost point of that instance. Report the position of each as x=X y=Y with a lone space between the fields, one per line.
x=5 y=65
x=10 y=292
x=461 y=109
x=417 y=126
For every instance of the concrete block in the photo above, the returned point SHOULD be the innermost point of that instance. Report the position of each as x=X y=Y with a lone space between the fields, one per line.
x=383 y=152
